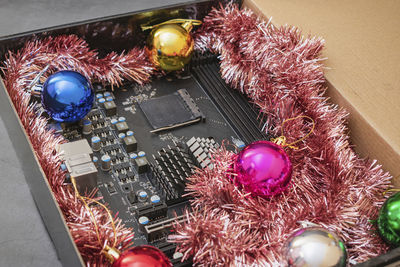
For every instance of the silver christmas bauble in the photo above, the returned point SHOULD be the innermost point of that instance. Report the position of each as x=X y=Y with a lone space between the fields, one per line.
x=315 y=247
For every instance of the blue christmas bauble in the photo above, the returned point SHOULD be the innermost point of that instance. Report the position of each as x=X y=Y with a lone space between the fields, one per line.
x=67 y=96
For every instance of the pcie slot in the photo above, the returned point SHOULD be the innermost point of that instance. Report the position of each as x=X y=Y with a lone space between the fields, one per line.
x=159 y=230
x=153 y=211
x=166 y=247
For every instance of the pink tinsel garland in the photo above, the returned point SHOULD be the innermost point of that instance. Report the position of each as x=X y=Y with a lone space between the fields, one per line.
x=71 y=52
x=280 y=71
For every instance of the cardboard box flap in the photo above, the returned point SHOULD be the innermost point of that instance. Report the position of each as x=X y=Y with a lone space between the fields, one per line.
x=362 y=47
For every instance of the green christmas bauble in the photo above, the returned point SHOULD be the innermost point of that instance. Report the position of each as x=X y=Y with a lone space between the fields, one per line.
x=389 y=220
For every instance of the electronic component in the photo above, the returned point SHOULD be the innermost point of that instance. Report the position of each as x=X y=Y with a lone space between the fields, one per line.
x=122 y=127
x=142 y=196
x=105 y=162
x=143 y=221
x=241 y=115
x=153 y=211
x=155 y=199
x=85 y=175
x=130 y=143
x=171 y=111
x=179 y=263
x=77 y=159
x=142 y=165
x=111 y=188
x=132 y=197
x=96 y=143
x=110 y=108
x=146 y=191
x=79 y=164
x=166 y=247
x=200 y=148
x=160 y=229
x=74 y=148
x=172 y=166
x=87 y=127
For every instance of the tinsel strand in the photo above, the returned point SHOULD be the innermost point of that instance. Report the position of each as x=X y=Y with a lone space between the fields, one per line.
x=73 y=53
x=281 y=72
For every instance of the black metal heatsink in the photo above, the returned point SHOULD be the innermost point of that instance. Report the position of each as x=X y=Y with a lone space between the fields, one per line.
x=172 y=166
x=231 y=103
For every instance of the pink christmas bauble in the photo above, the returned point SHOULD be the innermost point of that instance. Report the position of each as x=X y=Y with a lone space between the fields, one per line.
x=263 y=168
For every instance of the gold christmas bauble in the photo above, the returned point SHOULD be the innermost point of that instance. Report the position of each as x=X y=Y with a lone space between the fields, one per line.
x=170 y=44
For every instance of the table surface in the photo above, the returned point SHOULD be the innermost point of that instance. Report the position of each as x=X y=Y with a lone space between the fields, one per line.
x=23 y=237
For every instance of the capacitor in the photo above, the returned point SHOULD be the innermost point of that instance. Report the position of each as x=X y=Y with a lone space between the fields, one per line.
x=87 y=127
x=141 y=154
x=109 y=98
x=95 y=160
x=121 y=135
x=155 y=199
x=63 y=167
x=133 y=155
x=143 y=221
x=121 y=119
x=105 y=162
x=99 y=95
x=142 y=196
x=129 y=133
x=96 y=143
x=102 y=100
x=177 y=255
x=114 y=121
x=106 y=94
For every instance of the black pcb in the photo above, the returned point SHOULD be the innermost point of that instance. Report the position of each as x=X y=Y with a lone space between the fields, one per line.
x=154 y=136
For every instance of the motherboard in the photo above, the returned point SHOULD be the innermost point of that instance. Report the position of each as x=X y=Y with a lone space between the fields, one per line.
x=140 y=143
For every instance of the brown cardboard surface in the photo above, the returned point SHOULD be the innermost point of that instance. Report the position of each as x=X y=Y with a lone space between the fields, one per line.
x=363 y=51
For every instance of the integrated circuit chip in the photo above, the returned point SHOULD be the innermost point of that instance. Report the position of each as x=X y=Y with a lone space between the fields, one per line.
x=171 y=111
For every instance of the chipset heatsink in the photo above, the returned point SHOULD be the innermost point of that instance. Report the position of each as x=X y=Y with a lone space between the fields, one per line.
x=171 y=111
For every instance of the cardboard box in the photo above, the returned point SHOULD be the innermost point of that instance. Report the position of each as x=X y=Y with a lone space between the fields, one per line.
x=363 y=69
x=361 y=47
